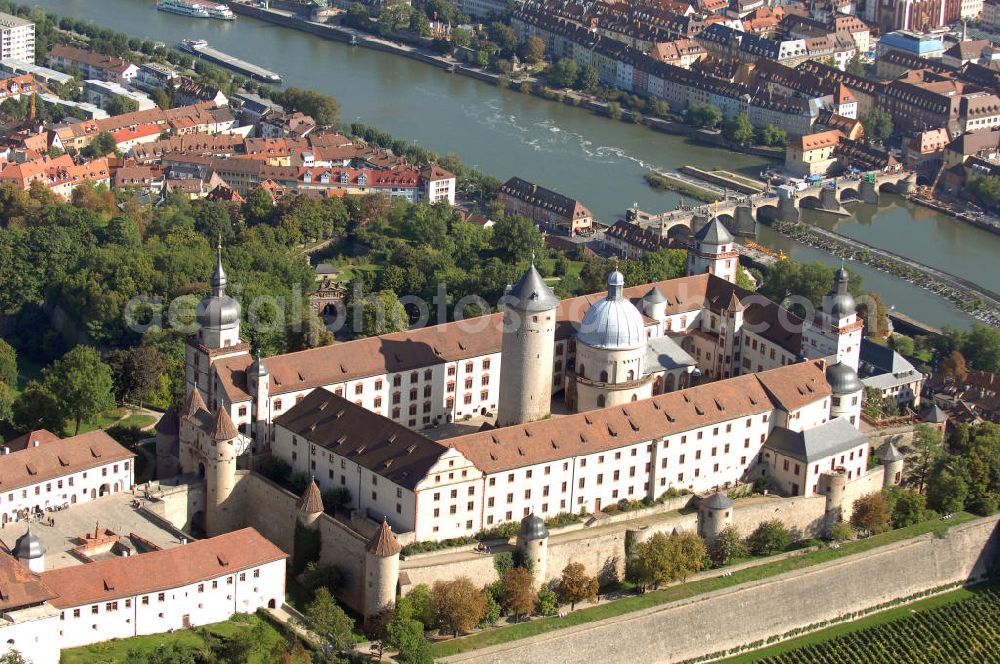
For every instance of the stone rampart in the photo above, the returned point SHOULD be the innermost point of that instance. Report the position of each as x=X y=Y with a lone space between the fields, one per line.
x=753 y=611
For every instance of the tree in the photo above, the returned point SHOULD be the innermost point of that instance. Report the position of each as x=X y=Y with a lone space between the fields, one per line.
x=258 y=208
x=908 y=507
x=854 y=66
x=874 y=403
x=743 y=279
x=461 y=37
x=381 y=313
x=458 y=605
x=739 y=130
x=727 y=546
x=120 y=105
x=769 y=538
x=773 y=136
x=871 y=513
x=8 y=364
x=329 y=621
x=953 y=367
x=878 y=125
x=13 y=657
x=902 y=344
x=406 y=636
x=504 y=37
x=533 y=50
x=102 y=145
x=575 y=585
x=516 y=239
x=419 y=24
x=662 y=558
x=704 y=115
x=82 y=384
x=137 y=373
x=324 y=109
x=563 y=73
x=928 y=447
x=588 y=79
x=38 y=408
x=418 y=605
x=546 y=602
x=947 y=490
x=517 y=592
x=161 y=98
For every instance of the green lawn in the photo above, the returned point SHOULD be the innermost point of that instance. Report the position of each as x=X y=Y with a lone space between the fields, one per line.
x=102 y=421
x=112 y=652
x=890 y=615
x=548 y=266
x=678 y=592
x=138 y=421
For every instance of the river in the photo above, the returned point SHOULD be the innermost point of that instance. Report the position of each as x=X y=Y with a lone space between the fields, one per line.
x=505 y=133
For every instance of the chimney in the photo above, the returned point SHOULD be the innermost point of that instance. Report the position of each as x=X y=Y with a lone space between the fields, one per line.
x=6 y=450
x=34 y=443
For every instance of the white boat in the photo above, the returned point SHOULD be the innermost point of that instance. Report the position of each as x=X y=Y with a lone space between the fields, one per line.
x=219 y=11
x=183 y=7
x=193 y=44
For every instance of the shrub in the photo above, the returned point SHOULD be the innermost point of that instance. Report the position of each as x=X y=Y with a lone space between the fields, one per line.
x=769 y=538
x=503 y=562
x=546 y=603
x=841 y=531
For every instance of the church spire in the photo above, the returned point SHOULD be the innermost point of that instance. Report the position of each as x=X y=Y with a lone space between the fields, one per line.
x=219 y=276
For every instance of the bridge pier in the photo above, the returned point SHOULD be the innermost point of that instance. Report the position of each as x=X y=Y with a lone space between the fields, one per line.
x=744 y=222
x=788 y=210
x=907 y=184
x=699 y=220
x=868 y=192
x=828 y=202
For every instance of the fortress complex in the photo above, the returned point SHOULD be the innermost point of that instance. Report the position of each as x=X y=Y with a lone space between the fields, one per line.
x=690 y=383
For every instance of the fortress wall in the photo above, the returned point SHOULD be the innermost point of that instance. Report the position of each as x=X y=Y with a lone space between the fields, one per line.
x=478 y=567
x=743 y=614
x=272 y=511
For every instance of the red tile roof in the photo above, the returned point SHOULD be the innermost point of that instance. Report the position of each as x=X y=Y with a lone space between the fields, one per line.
x=19 y=586
x=156 y=571
x=58 y=458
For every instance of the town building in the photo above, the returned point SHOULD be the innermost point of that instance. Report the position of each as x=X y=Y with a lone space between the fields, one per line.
x=812 y=154
x=17 y=39
x=550 y=210
x=92 y=65
x=100 y=93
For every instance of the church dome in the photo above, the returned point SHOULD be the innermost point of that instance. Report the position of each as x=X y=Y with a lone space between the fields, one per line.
x=839 y=302
x=28 y=547
x=613 y=323
x=218 y=311
x=843 y=379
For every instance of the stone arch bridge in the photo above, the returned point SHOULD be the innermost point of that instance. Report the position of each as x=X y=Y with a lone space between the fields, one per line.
x=740 y=215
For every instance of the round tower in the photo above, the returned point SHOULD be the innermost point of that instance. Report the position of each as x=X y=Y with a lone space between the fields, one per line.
x=846 y=388
x=527 y=351
x=167 y=444
x=532 y=543
x=30 y=551
x=654 y=304
x=713 y=251
x=892 y=461
x=381 y=570
x=310 y=505
x=220 y=474
x=715 y=513
x=833 y=483
x=611 y=352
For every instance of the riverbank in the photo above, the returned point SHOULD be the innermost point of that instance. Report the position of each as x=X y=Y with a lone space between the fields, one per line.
x=979 y=222
x=527 y=85
x=983 y=304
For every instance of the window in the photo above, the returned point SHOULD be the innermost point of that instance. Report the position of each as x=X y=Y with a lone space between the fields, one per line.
x=201 y=587
x=161 y=597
